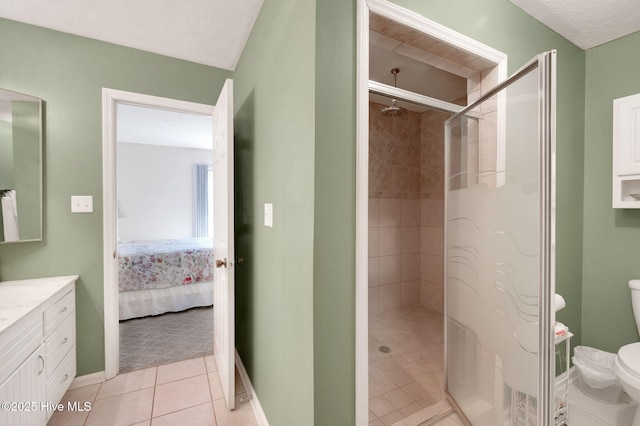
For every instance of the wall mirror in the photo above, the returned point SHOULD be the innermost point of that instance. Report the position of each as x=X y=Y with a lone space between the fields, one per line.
x=20 y=167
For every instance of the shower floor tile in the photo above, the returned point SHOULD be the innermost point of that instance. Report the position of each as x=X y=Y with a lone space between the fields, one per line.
x=410 y=376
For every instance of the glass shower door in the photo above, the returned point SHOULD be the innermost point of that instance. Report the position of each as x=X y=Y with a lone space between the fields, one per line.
x=499 y=252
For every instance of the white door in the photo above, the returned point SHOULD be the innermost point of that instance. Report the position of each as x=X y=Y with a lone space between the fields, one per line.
x=223 y=244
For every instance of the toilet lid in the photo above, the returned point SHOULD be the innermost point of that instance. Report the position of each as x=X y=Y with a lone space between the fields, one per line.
x=629 y=357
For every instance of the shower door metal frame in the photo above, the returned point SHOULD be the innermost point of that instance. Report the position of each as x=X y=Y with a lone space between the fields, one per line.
x=412 y=97
x=546 y=65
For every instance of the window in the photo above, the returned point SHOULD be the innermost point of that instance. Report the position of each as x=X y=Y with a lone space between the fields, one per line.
x=203 y=201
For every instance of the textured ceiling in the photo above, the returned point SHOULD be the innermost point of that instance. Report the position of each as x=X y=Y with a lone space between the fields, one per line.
x=586 y=23
x=210 y=32
x=214 y=32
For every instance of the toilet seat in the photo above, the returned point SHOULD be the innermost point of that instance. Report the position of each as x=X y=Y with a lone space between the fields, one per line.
x=627 y=368
x=629 y=359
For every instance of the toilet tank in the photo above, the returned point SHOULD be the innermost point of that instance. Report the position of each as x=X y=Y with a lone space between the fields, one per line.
x=634 y=285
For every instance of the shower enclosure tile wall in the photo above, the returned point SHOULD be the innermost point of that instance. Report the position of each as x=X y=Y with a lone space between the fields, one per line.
x=432 y=220
x=406 y=172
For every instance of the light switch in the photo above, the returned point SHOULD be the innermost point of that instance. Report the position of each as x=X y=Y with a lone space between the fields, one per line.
x=268 y=215
x=81 y=204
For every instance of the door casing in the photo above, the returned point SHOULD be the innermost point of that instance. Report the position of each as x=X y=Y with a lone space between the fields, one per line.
x=448 y=36
x=110 y=97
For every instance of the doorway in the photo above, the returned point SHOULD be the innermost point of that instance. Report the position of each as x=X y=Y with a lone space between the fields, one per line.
x=165 y=235
x=400 y=281
x=126 y=204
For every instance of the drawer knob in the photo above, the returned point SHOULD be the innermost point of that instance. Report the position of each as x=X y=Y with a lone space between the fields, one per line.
x=64 y=379
x=64 y=341
x=63 y=309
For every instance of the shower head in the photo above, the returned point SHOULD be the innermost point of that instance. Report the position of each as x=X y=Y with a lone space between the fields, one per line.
x=394 y=110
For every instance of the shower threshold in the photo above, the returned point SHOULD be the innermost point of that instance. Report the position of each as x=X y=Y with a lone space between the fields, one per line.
x=429 y=416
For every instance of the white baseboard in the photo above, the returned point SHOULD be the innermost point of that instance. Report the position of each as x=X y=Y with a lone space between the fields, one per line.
x=87 y=380
x=255 y=404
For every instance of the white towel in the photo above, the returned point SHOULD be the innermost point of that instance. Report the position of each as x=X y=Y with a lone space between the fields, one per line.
x=10 y=216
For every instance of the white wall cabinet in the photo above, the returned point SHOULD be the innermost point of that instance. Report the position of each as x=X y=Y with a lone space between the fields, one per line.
x=37 y=347
x=626 y=152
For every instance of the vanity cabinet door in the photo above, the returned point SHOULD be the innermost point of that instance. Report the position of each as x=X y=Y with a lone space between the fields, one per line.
x=25 y=389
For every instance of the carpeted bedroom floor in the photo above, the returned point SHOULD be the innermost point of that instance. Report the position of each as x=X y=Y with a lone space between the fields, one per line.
x=167 y=338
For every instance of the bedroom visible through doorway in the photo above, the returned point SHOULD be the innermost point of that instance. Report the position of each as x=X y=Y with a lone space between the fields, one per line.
x=159 y=281
x=165 y=246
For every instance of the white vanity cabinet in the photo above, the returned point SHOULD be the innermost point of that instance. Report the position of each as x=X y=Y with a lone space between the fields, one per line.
x=37 y=347
x=23 y=390
x=60 y=344
x=626 y=152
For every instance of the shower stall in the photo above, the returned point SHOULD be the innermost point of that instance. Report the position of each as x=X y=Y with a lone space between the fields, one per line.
x=461 y=255
x=455 y=262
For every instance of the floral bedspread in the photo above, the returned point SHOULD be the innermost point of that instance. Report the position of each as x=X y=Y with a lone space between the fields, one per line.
x=164 y=263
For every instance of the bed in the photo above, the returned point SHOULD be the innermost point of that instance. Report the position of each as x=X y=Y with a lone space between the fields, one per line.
x=161 y=276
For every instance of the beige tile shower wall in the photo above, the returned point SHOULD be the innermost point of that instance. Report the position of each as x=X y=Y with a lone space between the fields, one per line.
x=394 y=210
x=432 y=210
x=394 y=155
x=406 y=210
x=394 y=253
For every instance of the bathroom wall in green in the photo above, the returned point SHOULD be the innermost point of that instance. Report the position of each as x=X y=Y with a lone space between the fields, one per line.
x=275 y=139
x=334 y=228
x=611 y=236
x=68 y=73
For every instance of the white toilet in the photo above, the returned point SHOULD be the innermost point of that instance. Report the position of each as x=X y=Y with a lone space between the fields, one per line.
x=627 y=363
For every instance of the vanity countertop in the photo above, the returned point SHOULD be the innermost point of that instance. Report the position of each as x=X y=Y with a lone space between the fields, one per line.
x=18 y=298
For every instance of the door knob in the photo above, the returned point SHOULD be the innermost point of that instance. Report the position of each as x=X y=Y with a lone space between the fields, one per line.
x=239 y=261
x=221 y=263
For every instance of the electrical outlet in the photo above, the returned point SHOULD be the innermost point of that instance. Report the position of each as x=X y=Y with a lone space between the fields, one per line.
x=81 y=204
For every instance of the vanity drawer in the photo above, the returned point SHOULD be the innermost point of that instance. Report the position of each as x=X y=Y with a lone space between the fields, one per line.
x=17 y=345
x=62 y=377
x=55 y=315
x=59 y=343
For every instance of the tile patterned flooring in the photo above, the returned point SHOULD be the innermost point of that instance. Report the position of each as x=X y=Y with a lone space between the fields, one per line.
x=406 y=384
x=452 y=420
x=410 y=377
x=405 y=387
x=183 y=393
